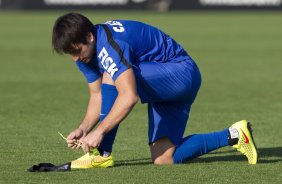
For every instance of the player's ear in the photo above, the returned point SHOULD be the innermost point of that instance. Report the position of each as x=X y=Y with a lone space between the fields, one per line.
x=91 y=37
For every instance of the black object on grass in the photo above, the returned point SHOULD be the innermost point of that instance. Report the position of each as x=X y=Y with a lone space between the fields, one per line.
x=47 y=167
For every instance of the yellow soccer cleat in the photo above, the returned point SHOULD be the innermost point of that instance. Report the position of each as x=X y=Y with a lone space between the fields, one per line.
x=246 y=144
x=93 y=159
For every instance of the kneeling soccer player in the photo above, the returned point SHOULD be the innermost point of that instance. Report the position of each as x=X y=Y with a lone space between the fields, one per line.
x=126 y=60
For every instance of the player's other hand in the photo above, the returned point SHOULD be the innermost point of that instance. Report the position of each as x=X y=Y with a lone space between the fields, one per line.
x=92 y=140
x=74 y=138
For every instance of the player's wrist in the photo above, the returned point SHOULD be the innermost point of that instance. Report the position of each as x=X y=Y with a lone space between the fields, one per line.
x=101 y=130
x=83 y=130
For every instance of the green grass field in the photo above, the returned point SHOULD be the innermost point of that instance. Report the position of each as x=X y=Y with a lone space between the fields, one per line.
x=239 y=54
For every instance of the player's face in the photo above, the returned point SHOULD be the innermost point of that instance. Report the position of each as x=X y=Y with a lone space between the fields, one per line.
x=86 y=50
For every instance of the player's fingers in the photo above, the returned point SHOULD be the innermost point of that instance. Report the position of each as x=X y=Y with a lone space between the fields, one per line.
x=85 y=148
x=80 y=141
x=70 y=145
x=70 y=141
x=73 y=147
x=77 y=147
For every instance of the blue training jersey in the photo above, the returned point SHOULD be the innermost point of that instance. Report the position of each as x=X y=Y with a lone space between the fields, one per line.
x=156 y=59
x=123 y=44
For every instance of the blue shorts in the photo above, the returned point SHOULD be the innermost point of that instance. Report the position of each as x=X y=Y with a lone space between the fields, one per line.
x=169 y=89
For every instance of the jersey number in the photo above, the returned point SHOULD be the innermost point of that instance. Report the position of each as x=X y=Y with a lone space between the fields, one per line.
x=117 y=26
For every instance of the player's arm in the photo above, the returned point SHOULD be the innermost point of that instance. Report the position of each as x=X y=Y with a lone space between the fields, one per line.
x=125 y=101
x=91 y=117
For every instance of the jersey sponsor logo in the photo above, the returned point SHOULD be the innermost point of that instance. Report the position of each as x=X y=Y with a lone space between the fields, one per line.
x=107 y=62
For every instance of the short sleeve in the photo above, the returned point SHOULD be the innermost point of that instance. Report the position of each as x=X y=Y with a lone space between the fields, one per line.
x=89 y=70
x=116 y=58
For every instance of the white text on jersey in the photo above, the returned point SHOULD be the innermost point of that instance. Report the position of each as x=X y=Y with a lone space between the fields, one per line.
x=117 y=26
x=107 y=62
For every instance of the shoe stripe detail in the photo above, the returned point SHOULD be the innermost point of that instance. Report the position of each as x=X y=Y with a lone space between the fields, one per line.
x=246 y=137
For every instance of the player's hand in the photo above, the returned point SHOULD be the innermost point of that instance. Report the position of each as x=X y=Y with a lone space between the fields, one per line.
x=74 y=138
x=92 y=140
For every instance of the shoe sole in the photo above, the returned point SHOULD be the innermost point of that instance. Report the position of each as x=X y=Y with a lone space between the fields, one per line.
x=249 y=127
x=91 y=167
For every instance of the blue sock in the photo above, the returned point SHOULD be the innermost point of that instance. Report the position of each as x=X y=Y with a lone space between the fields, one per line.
x=109 y=95
x=196 y=145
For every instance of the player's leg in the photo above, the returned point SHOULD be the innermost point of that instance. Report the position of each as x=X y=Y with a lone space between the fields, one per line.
x=239 y=135
x=109 y=95
x=162 y=151
x=196 y=145
x=170 y=89
x=167 y=122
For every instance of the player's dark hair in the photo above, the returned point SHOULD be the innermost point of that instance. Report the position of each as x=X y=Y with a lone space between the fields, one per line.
x=69 y=30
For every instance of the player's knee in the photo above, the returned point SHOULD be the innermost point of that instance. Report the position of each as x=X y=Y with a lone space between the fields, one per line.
x=162 y=151
x=163 y=160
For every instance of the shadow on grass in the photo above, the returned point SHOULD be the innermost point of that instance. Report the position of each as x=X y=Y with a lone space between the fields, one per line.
x=266 y=155
x=141 y=161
